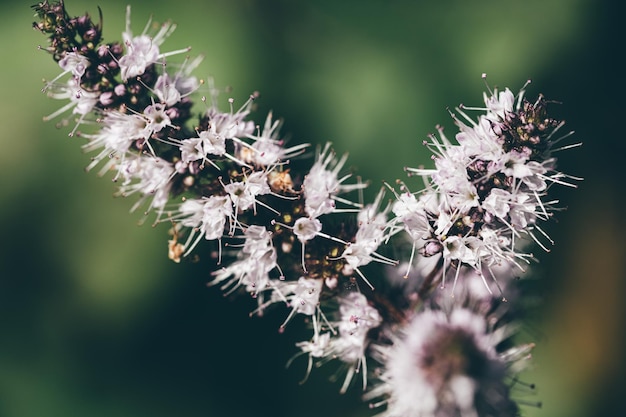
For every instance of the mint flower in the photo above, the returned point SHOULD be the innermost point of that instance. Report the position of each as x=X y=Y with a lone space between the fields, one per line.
x=148 y=176
x=143 y=50
x=346 y=338
x=445 y=364
x=207 y=217
x=81 y=102
x=120 y=132
x=267 y=149
x=322 y=184
x=252 y=271
x=356 y=318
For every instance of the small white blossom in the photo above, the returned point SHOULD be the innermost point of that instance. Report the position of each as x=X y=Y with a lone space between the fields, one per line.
x=156 y=119
x=304 y=298
x=497 y=202
x=250 y=271
x=166 y=91
x=119 y=131
x=194 y=149
x=317 y=346
x=171 y=89
x=267 y=150
x=230 y=125
x=322 y=184
x=357 y=318
x=306 y=228
x=244 y=193
x=74 y=63
x=499 y=104
x=81 y=102
x=148 y=176
x=142 y=50
x=208 y=215
x=372 y=232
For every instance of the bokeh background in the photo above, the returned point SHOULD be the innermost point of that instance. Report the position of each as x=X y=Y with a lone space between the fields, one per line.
x=95 y=321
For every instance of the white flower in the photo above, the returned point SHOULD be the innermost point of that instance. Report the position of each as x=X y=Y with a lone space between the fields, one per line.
x=267 y=150
x=304 y=298
x=258 y=240
x=212 y=141
x=156 y=118
x=243 y=193
x=148 y=176
x=356 y=319
x=230 y=125
x=142 y=50
x=523 y=211
x=480 y=139
x=416 y=225
x=534 y=176
x=371 y=234
x=412 y=214
x=166 y=90
x=496 y=202
x=140 y=53
x=464 y=196
x=194 y=149
x=499 y=104
x=251 y=272
x=119 y=131
x=81 y=102
x=321 y=185
x=74 y=63
x=71 y=62
x=171 y=90
x=406 y=204
x=306 y=228
x=316 y=347
x=207 y=214
x=253 y=265
x=444 y=365
x=456 y=248
x=372 y=224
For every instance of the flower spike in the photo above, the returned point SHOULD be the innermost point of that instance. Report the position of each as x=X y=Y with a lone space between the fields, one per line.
x=301 y=236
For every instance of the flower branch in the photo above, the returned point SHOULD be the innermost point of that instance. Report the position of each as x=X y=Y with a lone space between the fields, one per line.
x=428 y=332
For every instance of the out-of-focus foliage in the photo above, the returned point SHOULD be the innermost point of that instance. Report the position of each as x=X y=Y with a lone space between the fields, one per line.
x=95 y=320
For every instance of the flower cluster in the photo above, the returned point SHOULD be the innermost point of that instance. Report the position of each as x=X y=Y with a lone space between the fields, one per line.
x=303 y=237
x=293 y=237
x=455 y=369
x=483 y=200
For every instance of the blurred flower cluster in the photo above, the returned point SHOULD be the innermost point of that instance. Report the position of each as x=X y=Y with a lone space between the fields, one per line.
x=415 y=291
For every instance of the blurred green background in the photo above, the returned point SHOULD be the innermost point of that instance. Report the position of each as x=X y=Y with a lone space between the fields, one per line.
x=95 y=321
